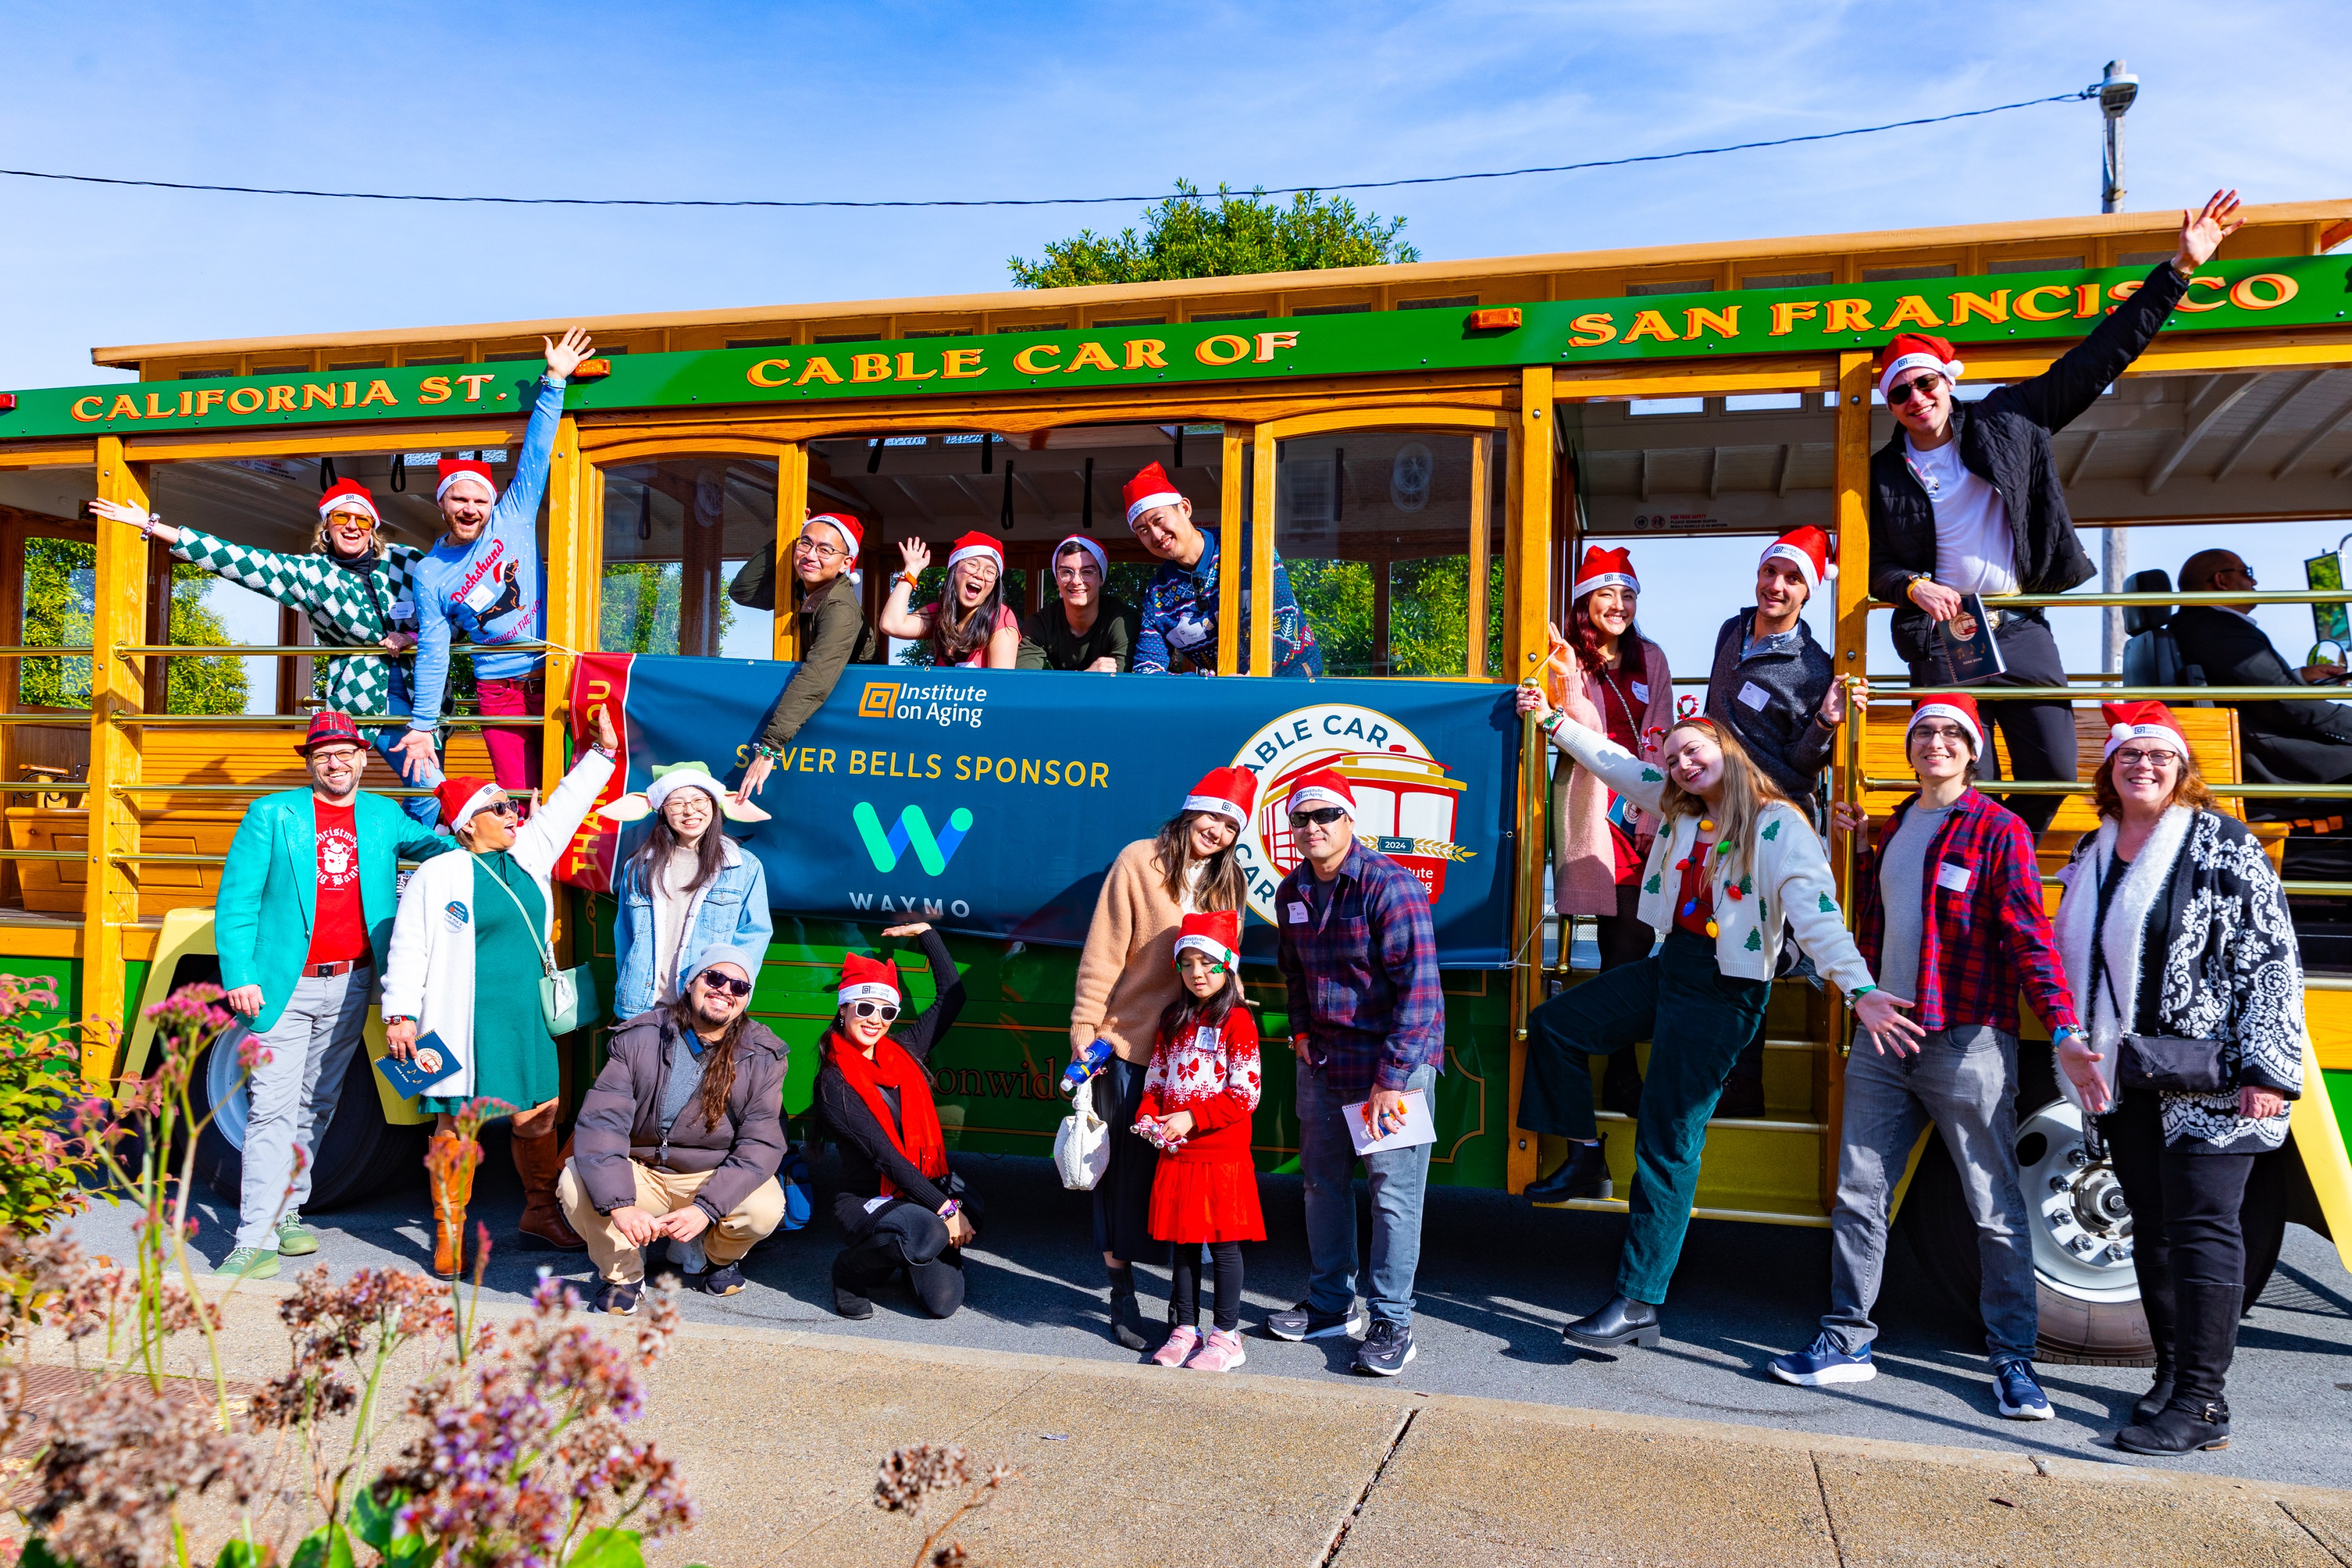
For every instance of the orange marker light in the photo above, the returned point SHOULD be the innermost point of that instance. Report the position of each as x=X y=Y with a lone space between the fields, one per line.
x=591 y=369
x=1495 y=319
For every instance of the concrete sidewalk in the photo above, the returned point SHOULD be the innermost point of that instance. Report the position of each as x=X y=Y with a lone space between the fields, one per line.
x=779 y=1433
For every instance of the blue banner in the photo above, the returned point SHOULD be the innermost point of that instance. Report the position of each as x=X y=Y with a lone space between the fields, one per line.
x=994 y=802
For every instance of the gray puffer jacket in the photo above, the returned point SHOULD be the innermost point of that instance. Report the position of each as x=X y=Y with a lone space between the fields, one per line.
x=620 y=1121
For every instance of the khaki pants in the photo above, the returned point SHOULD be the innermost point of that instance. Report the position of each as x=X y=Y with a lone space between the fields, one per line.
x=660 y=1192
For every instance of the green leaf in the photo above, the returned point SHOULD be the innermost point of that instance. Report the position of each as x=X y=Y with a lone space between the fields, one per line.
x=1772 y=830
x=610 y=1549
x=237 y=1554
x=329 y=1546
x=37 y=1554
x=373 y=1522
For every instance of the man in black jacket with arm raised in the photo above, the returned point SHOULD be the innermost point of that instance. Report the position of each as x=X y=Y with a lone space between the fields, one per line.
x=1967 y=499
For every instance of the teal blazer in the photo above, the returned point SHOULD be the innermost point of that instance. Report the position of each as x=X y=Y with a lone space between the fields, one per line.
x=269 y=889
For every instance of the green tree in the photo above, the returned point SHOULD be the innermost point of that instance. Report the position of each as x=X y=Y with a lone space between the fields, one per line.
x=641 y=606
x=61 y=593
x=1185 y=236
x=1429 y=615
x=1336 y=597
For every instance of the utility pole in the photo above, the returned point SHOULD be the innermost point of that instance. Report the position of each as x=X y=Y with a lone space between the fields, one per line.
x=2116 y=89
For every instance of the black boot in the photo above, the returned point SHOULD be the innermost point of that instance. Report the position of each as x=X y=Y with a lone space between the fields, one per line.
x=1621 y=1322
x=1621 y=1084
x=2205 y=1323
x=2160 y=1392
x=2182 y=1427
x=1583 y=1174
x=1126 y=1320
x=848 y=1298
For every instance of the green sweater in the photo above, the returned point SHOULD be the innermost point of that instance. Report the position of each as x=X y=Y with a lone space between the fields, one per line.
x=349 y=607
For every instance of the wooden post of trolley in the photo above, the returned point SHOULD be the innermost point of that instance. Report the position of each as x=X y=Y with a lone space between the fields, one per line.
x=1851 y=489
x=1528 y=608
x=117 y=698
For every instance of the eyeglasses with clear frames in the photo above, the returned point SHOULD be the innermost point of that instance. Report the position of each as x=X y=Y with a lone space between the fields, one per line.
x=2156 y=760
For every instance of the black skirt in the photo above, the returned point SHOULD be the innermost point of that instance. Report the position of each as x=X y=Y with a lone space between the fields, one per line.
x=1123 y=1197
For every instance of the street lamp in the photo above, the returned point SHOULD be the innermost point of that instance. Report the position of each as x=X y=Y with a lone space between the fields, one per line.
x=2116 y=90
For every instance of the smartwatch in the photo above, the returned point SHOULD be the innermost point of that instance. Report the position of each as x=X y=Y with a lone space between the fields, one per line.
x=953 y=1207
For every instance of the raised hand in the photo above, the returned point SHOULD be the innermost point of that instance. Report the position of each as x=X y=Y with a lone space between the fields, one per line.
x=563 y=358
x=915 y=555
x=607 y=736
x=2202 y=233
x=139 y=518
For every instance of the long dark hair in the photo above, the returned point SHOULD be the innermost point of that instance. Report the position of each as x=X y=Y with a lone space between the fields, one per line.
x=1209 y=1012
x=653 y=855
x=718 y=1072
x=1222 y=886
x=1587 y=636
x=953 y=642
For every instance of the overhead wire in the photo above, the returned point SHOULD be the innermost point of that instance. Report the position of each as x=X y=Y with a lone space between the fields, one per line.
x=1330 y=189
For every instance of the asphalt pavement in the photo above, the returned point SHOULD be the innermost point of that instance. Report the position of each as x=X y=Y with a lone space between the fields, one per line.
x=1498 y=1279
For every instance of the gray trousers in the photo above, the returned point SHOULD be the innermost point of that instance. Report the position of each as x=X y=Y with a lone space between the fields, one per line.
x=293 y=1096
x=1963 y=1080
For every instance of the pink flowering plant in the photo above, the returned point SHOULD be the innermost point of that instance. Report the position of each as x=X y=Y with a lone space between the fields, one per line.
x=514 y=1447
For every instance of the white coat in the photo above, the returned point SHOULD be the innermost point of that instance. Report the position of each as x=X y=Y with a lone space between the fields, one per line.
x=429 y=974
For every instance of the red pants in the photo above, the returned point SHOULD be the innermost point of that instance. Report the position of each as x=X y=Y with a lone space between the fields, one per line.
x=514 y=754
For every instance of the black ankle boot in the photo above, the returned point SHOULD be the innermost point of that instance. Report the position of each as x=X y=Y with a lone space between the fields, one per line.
x=1126 y=1320
x=1583 y=1174
x=2182 y=1427
x=2160 y=1392
x=1621 y=1322
x=847 y=1300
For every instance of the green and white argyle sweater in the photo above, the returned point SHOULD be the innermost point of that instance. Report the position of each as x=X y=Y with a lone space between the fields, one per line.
x=348 y=607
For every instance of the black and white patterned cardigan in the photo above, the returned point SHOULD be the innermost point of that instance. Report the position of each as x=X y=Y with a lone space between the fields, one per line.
x=2232 y=970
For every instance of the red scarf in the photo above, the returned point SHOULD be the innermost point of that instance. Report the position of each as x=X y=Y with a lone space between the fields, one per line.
x=921 y=1144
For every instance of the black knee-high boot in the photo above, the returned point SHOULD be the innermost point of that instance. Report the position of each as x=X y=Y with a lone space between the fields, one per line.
x=2205 y=1323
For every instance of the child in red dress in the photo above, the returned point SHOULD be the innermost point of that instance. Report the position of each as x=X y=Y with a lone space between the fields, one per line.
x=1198 y=1097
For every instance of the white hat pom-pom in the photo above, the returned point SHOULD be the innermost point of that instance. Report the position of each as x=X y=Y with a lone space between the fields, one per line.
x=2119 y=731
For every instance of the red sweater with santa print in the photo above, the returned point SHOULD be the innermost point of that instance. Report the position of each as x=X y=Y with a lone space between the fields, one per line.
x=1214 y=1074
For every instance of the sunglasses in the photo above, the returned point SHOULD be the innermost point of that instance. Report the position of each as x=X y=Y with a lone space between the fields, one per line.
x=886 y=1011
x=501 y=808
x=1321 y=817
x=1902 y=392
x=726 y=982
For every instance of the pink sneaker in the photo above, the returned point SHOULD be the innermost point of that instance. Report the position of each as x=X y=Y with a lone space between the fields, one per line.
x=1222 y=1353
x=1180 y=1342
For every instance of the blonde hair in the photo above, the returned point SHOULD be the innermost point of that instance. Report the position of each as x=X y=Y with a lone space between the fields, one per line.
x=1747 y=790
x=322 y=545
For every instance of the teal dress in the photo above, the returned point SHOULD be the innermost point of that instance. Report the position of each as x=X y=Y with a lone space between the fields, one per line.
x=514 y=1056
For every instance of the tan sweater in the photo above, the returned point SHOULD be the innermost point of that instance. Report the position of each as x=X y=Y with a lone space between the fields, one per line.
x=1126 y=971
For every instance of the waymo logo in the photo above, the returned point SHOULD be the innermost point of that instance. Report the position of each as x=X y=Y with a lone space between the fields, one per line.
x=910 y=831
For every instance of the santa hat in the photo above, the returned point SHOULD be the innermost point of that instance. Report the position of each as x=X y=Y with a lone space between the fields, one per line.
x=865 y=979
x=1916 y=351
x=852 y=534
x=673 y=776
x=1227 y=791
x=455 y=469
x=462 y=798
x=1604 y=569
x=2142 y=721
x=1324 y=787
x=1217 y=933
x=974 y=545
x=1813 y=552
x=348 y=495
x=1960 y=710
x=1102 y=561
x=1151 y=487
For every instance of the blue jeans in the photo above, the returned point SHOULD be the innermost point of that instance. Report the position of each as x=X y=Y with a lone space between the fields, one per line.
x=1399 y=1178
x=424 y=808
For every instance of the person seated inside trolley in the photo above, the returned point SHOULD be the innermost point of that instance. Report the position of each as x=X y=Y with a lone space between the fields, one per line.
x=2305 y=740
x=1085 y=628
x=1966 y=499
x=1178 y=634
x=969 y=626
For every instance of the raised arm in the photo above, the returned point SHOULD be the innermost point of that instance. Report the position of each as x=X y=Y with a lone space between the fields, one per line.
x=529 y=485
x=897 y=619
x=1642 y=783
x=946 y=982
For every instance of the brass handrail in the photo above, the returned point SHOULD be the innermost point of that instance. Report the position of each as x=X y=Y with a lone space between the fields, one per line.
x=2062 y=787
x=2175 y=597
x=2113 y=693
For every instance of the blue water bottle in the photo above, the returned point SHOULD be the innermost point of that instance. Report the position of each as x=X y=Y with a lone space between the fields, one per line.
x=1084 y=1066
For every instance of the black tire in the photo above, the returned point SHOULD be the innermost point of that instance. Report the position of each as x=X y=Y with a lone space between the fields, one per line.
x=361 y=1154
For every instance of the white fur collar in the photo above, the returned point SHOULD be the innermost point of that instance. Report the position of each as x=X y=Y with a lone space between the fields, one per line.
x=2106 y=1009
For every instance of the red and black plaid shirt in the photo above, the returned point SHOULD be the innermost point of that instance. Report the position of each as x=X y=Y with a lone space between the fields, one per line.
x=1980 y=943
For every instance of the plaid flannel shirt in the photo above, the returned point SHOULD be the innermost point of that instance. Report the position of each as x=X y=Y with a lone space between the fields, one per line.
x=1978 y=943
x=1362 y=982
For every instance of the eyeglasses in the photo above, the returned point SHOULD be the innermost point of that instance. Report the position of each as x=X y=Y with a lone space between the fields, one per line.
x=501 y=808
x=1077 y=574
x=727 y=983
x=818 y=548
x=1321 y=818
x=2154 y=761
x=2239 y=570
x=1902 y=392
x=886 y=1011
x=1951 y=732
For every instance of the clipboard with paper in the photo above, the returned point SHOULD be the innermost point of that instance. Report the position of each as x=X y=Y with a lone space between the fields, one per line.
x=1418 y=1127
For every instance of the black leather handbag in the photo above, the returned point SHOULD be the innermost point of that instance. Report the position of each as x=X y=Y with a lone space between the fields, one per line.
x=2165 y=1062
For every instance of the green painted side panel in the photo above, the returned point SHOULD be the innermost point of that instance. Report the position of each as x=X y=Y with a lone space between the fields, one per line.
x=2339 y=1094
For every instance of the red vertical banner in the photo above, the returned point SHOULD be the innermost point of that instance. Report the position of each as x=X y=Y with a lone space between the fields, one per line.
x=598 y=679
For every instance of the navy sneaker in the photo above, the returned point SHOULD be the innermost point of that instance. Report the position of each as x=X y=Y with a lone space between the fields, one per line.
x=723 y=1280
x=1304 y=1322
x=2019 y=1392
x=621 y=1300
x=1823 y=1363
x=1386 y=1349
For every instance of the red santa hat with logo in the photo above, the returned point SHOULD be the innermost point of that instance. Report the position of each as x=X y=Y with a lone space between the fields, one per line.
x=348 y=495
x=462 y=798
x=1227 y=791
x=1080 y=541
x=1959 y=708
x=1916 y=351
x=1218 y=933
x=853 y=533
x=1150 y=486
x=2150 y=721
x=1814 y=553
x=1323 y=787
x=1604 y=569
x=971 y=546
x=454 y=470
x=865 y=979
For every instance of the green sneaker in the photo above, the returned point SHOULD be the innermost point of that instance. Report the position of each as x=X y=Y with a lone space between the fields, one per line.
x=293 y=1241
x=249 y=1263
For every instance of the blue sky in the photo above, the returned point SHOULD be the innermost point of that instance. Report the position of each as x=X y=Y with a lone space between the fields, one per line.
x=929 y=100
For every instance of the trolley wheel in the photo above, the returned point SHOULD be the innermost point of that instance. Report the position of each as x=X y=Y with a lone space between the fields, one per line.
x=359 y=1155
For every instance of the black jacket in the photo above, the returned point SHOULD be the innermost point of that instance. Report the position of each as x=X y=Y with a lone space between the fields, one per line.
x=867 y=1151
x=620 y=1120
x=2285 y=743
x=2005 y=441
x=1784 y=733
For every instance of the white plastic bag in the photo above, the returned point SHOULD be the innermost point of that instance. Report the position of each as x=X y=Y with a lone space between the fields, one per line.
x=1082 y=1146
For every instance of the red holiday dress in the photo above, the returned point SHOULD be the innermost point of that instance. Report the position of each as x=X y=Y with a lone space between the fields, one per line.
x=1206 y=1189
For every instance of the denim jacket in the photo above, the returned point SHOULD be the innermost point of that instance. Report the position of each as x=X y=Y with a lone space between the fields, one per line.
x=731 y=908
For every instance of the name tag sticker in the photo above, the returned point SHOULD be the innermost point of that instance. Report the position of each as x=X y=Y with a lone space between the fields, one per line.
x=873 y=1203
x=480 y=597
x=1641 y=692
x=1299 y=914
x=1955 y=877
x=1755 y=696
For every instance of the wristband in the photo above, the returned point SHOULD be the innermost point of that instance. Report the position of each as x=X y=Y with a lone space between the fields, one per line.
x=761 y=748
x=1550 y=724
x=953 y=1207
x=1859 y=992
x=909 y=578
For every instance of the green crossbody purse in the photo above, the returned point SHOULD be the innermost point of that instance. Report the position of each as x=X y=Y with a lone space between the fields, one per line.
x=567 y=997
